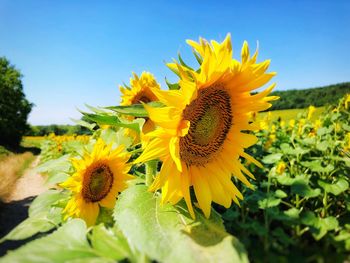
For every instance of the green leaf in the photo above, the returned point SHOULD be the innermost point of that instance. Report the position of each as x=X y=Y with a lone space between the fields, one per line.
x=316 y=166
x=85 y=124
x=117 y=138
x=337 y=188
x=285 y=179
x=309 y=141
x=56 y=178
x=166 y=234
x=292 y=213
x=183 y=63
x=343 y=235
x=43 y=216
x=67 y=243
x=61 y=164
x=172 y=86
x=335 y=116
x=324 y=130
x=136 y=110
x=114 y=121
x=302 y=188
x=322 y=146
x=268 y=202
x=287 y=149
x=44 y=201
x=102 y=119
x=272 y=158
x=319 y=226
x=108 y=243
x=198 y=57
x=280 y=194
x=346 y=127
x=30 y=227
x=94 y=109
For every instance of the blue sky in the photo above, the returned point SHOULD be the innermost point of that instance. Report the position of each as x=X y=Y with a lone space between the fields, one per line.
x=76 y=52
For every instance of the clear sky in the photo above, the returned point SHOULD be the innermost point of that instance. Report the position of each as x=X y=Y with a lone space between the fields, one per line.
x=76 y=52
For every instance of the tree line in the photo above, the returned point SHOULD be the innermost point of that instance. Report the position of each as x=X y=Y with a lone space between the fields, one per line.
x=321 y=96
x=42 y=130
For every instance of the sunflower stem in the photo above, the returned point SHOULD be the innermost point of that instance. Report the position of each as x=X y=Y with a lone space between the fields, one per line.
x=151 y=171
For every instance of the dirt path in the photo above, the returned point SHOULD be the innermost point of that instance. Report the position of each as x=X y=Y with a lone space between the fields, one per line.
x=30 y=184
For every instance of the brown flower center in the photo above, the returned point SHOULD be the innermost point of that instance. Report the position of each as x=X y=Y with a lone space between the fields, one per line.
x=140 y=97
x=210 y=117
x=97 y=182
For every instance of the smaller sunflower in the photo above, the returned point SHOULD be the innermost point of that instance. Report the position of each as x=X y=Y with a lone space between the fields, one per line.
x=140 y=91
x=99 y=177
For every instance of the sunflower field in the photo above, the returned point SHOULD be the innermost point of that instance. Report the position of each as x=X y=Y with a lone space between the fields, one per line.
x=193 y=174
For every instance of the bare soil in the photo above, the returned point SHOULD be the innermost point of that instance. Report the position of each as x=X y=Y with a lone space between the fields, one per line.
x=14 y=207
x=30 y=184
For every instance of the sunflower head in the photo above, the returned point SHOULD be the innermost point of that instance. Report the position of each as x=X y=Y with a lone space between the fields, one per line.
x=201 y=132
x=311 y=111
x=140 y=90
x=98 y=178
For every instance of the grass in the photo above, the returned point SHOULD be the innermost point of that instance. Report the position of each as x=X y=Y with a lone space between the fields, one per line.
x=32 y=141
x=3 y=152
x=12 y=167
x=290 y=114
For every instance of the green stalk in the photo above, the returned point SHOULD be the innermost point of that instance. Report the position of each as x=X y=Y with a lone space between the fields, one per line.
x=151 y=171
x=325 y=204
x=297 y=203
x=266 y=219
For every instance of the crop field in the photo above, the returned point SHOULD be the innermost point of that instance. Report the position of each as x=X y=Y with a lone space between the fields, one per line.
x=298 y=203
x=290 y=114
x=199 y=172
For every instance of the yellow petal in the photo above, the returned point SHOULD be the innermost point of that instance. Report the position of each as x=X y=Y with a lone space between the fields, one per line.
x=218 y=193
x=174 y=150
x=159 y=181
x=89 y=213
x=172 y=192
x=166 y=117
x=202 y=190
x=171 y=98
x=109 y=200
x=157 y=148
x=185 y=185
x=245 y=52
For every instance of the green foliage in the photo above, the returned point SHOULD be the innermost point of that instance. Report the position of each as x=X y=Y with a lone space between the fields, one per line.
x=136 y=110
x=14 y=107
x=298 y=99
x=3 y=152
x=299 y=210
x=110 y=242
x=66 y=244
x=42 y=130
x=300 y=205
x=167 y=234
x=43 y=216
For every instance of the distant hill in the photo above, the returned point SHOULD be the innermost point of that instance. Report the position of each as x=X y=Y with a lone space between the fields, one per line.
x=296 y=99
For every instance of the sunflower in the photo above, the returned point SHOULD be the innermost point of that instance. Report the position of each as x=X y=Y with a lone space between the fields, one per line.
x=200 y=136
x=99 y=177
x=140 y=91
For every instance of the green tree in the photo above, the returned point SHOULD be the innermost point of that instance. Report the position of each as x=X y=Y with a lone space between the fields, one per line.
x=14 y=107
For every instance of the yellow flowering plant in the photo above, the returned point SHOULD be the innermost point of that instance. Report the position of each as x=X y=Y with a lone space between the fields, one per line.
x=198 y=172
